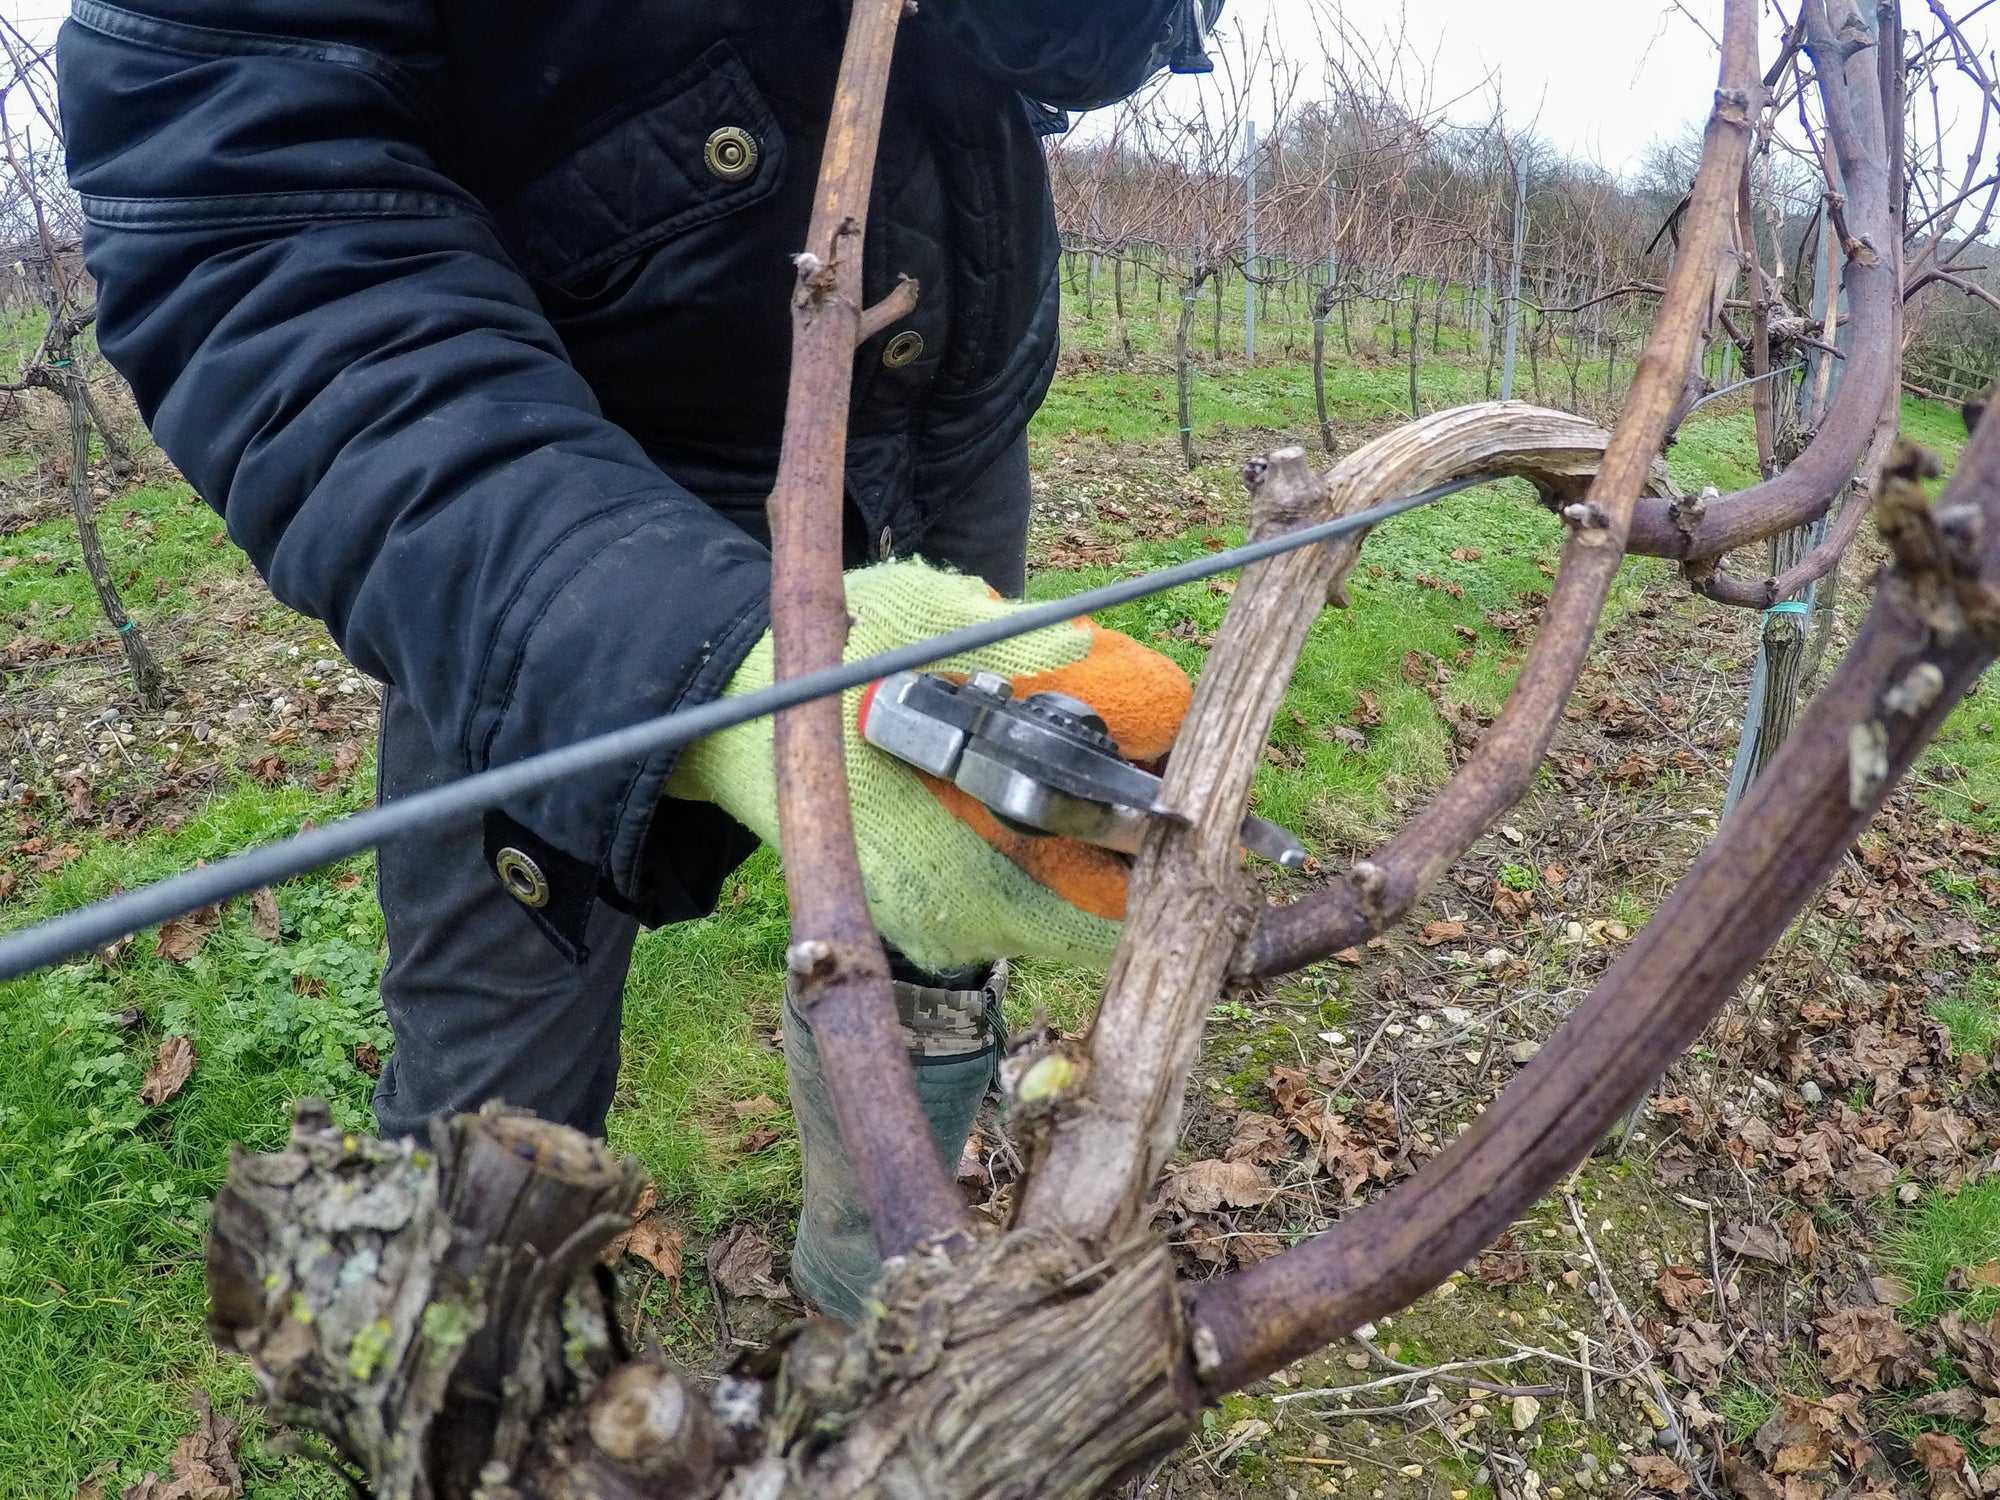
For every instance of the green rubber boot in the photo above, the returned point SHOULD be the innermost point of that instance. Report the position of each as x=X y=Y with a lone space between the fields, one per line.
x=954 y=1037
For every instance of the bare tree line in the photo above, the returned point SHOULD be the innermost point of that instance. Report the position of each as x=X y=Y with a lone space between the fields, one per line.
x=1395 y=228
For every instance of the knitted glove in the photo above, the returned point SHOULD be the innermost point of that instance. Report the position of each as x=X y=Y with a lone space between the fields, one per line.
x=948 y=885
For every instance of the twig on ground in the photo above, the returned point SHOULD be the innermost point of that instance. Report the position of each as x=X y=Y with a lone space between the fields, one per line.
x=1407 y=1374
x=1366 y=1052
x=1482 y=1385
x=1599 y=1371
x=1721 y=1297
x=1646 y=1370
x=1371 y=1412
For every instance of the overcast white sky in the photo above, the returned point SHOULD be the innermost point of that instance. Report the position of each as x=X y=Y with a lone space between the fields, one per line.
x=1606 y=75
x=1600 y=78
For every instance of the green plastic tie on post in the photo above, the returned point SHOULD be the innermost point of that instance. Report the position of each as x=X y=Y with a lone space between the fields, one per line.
x=1790 y=607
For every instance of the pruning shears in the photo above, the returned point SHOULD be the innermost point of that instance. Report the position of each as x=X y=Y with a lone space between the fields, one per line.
x=1044 y=765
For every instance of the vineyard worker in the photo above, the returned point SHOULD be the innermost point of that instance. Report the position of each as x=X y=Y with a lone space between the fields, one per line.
x=472 y=319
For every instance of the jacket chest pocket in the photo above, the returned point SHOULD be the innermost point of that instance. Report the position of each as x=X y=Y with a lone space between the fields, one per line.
x=702 y=145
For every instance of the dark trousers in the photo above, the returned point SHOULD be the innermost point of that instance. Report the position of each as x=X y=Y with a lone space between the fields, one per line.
x=482 y=1005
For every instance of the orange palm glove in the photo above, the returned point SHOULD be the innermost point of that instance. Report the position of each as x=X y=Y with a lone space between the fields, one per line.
x=948 y=884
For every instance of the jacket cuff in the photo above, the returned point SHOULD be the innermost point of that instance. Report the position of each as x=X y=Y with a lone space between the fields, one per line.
x=619 y=630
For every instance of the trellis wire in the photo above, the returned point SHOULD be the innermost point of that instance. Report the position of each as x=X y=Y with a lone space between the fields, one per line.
x=106 y=921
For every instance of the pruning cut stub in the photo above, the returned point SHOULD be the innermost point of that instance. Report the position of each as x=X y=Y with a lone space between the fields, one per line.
x=1867 y=763
x=1917 y=691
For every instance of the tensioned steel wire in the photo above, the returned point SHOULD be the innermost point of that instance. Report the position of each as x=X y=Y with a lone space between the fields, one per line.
x=105 y=921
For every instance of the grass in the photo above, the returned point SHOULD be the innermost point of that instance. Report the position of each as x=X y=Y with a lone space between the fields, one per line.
x=1131 y=407
x=1745 y=1409
x=159 y=540
x=1285 y=331
x=1942 y=1234
x=102 y=1200
x=1972 y=1020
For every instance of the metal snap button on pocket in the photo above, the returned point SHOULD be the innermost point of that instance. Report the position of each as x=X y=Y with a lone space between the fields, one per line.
x=731 y=153
x=903 y=348
x=522 y=877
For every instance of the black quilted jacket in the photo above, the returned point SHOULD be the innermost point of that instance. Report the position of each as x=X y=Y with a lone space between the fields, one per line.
x=470 y=316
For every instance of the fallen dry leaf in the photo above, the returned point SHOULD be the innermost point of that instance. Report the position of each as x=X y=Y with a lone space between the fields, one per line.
x=8 y=882
x=1202 y=1187
x=1681 y=1288
x=1747 y=1480
x=1503 y=1264
x=1868 y=1174
x=1248 y=1249
x=1977 y=1346
x=742 y=1261
x=1802 y=1237
x=1698 y=1354
x=1659 y=1473
x=1259 y=1138
x=1440 y=931
x=1889 y=1291
x=750 y=1109
x=1941 y=1136
x=1947 y=1476
x=1866 y=1347
x=182 y=938
x=1757 y=1241
x=1797 y=1438
x=649 y=1199
x=169 y=1072
x=265 y=922
x=57 y=857
x=1201 y=1239
x=1959 y=1404
x=1290 y=1090
x=203 y=1463
x=1883 y=1058
x=760 y=1139
x=658 y=1245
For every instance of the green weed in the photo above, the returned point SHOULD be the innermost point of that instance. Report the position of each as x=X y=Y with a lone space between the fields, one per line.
x=1745 y=1409
x=1942 y=1233
x=1972 y=1020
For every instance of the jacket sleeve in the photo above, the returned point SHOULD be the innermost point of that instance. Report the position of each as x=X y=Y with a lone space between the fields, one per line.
x=1060 y=52
x=325 y=334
